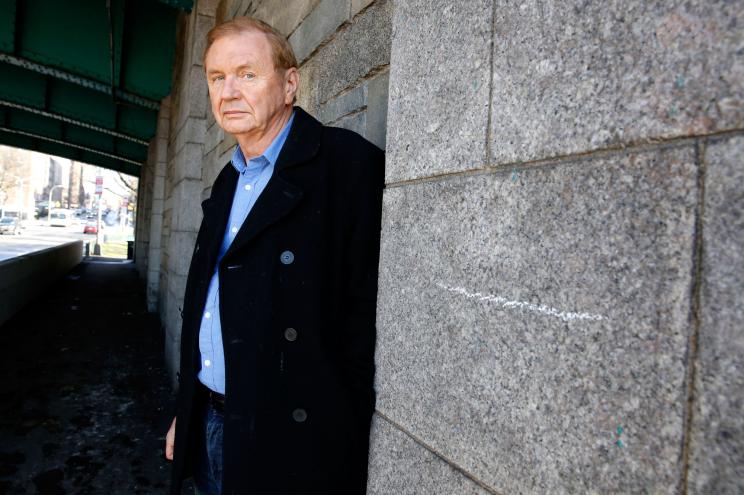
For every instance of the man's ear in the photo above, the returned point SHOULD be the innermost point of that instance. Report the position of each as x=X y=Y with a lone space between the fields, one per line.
x=291 y=83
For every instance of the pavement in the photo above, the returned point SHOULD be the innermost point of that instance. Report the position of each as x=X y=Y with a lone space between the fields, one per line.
x=85 y=400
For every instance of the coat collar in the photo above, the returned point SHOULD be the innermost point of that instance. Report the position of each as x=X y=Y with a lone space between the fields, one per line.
x=279 y=197
x=302 y=143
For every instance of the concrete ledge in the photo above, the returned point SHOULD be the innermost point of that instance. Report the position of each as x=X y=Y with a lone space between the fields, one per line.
x=25 y=277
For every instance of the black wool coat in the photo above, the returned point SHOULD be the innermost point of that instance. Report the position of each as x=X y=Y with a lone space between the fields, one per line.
x=298 y=292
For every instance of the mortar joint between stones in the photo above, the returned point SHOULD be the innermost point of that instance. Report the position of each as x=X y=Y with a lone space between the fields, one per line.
x=452 y=464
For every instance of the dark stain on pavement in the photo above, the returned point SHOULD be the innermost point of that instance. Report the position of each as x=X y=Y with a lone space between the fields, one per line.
x=85 y=400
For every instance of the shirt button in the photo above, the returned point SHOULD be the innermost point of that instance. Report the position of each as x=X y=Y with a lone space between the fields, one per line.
x=234 y=229
x=207 y=362
x=247 y=187
x=287 y=257
x=207 y=315
x=299 y=415
x=290 y=334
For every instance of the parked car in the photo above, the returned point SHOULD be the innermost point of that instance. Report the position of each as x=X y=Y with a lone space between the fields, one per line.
x=60 y=217
x=90 y=228
x=9 y=225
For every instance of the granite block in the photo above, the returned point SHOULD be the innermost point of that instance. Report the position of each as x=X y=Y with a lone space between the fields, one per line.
x=307 y=92
x=193 y=130
x=187 y=163
x=158 y=186
x=214 y=136
x=156 y=228
x=356 y=122
x=717 y=440
x=533 y=323
x=317 y=27
x=240 y=7
x=227 y=144
x=357 y=6
x=161 y=152
x=180 y=248
x=354 y=53
x=439 y=88
x=282 y=15
x=187 y=212
x=202 y=26
x=400 y=466
x=377 y=105
x=197 y=103
x=574 y=76
x=207 y=7
x=351 y=101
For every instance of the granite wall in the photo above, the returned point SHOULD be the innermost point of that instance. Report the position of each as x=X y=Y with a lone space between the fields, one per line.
x=561 y=252
x=561 y=262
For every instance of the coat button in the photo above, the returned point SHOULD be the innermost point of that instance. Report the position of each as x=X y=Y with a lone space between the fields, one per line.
x=290 y=334
x=287 y=257
x=299 y=415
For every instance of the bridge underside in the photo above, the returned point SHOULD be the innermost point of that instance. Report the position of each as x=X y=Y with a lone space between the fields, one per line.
x=83 y=79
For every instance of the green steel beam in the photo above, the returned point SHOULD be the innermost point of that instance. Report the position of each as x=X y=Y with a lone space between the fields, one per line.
x=79 y=80
x=68 y=120
x=76 y=146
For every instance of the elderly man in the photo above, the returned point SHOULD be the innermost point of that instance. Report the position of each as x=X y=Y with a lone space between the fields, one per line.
x=277 y=345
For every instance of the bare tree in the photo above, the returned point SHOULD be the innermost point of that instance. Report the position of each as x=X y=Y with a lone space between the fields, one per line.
x=11 y=168
x=126 y=183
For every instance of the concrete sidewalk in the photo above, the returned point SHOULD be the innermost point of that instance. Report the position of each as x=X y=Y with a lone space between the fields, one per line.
x=84 y=397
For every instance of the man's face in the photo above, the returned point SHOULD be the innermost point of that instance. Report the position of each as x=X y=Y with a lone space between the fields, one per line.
x=248 y=94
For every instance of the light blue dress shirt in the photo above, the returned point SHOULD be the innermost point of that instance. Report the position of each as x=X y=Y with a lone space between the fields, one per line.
x=252 y=179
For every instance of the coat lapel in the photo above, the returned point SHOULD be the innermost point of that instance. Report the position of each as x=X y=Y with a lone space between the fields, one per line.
x=280 y=196
x=216 y=210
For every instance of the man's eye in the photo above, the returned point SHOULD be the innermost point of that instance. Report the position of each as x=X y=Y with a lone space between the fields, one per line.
x=217 y=78
x=248 y=75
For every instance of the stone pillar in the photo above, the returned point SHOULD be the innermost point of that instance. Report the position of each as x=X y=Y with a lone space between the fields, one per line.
x=183 y=183
x=156 y=177
x=561 y=263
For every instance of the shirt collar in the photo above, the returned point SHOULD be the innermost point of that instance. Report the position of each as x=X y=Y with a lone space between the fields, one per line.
x=269 y=155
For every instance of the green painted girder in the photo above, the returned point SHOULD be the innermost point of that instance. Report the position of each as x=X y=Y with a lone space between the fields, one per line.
x=88 y=74
x=44 y=127
x=29 y=142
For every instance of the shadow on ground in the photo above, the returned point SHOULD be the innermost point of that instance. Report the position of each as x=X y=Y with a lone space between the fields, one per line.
x=84 y=396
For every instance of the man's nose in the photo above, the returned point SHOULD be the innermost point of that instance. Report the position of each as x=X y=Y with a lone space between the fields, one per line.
x=230 y=89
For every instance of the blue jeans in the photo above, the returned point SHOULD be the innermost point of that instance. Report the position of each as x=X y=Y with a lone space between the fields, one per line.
x=208 y=473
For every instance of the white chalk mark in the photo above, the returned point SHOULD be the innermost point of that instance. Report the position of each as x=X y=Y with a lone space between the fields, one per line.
x=538 y=308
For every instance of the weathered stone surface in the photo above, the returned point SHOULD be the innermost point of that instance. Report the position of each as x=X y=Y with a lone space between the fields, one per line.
x=439 y=83
x=717 y=456
x=344 y=104
x=282 y=15
x=360 y=49
x=198 y=95
x=533 y=324
x=214 y=136
x=318 y=26
x=157 y=191
x=356 y=122
x=377 y=105
x=187 y=163
x=161 y=150
x=575 y=76
x=400 y=466
x=187 y=211
x=358 y=5
x=202 y=26
x=307 y=92
x=193 y=130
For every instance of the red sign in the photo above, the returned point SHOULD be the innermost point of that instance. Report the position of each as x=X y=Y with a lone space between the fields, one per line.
x=99 y=185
